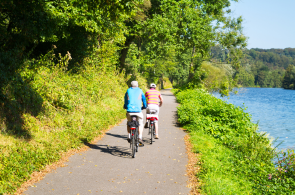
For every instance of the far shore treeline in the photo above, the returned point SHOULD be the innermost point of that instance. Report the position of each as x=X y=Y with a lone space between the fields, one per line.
x=262 y=67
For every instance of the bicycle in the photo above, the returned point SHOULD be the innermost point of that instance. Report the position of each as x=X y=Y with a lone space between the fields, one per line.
x=151 y=123
x=134 y=143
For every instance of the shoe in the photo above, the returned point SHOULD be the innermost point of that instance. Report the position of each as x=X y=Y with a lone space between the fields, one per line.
x=146 y=125
x=156 y=137
x=140 y=142
x=128 y=139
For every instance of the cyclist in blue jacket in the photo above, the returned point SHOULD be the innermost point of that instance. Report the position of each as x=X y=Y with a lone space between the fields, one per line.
x=134 y=102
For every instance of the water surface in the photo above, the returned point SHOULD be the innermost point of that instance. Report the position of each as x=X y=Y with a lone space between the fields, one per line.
x=272 y=108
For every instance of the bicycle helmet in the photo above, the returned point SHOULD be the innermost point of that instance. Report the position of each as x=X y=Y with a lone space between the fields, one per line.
x=153 y=85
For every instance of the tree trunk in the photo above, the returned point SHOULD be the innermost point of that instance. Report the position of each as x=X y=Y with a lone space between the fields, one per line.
x=124 y=53
x=162 y=81
x=171 y=80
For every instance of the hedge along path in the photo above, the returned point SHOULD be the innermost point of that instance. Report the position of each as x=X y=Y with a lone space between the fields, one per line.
x=107 y=167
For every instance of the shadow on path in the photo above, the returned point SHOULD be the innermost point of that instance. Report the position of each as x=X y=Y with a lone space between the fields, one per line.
x=118 y=136
x=175 y=121
x=113 y=150
x=144 y=139
x=118 y=151
x=147 y=140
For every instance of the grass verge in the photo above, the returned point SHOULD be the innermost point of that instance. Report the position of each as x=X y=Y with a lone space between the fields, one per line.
x=235 y=158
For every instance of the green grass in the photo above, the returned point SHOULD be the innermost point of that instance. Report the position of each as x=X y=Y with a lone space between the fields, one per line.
x=235 y=158
x=217 y=170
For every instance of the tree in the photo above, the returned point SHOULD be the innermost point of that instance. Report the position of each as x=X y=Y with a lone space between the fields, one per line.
x=28 y=29
x=261 y=78
x=186 y=28
x=245 y=78
x=289 y=78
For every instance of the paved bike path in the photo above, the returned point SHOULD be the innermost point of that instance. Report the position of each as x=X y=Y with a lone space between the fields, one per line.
x=107 y=167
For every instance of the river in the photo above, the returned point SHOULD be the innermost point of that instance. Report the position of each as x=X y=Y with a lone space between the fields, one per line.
x=272 y=108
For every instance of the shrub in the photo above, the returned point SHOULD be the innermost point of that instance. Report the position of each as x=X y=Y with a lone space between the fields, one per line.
x=233 y=152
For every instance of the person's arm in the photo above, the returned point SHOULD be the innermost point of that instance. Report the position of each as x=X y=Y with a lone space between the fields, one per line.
x=144 y=101
x=161 y=100
x=125 y=100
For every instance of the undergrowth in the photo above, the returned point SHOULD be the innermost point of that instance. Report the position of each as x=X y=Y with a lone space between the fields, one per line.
x=235 y=158
x=48 y=110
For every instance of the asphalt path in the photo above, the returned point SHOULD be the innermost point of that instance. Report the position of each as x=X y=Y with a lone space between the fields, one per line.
x=108 y=168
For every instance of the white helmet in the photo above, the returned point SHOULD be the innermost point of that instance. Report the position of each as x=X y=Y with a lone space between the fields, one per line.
x=153 y=85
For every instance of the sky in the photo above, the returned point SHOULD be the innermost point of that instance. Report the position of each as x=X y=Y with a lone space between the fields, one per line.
x=267 y=23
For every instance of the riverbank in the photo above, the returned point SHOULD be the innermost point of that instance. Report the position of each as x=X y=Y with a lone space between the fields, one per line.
x=235 y=158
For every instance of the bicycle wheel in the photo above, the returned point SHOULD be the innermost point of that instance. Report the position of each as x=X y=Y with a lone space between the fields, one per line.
x=133 y=144
x=152 y=133
x=136 y=140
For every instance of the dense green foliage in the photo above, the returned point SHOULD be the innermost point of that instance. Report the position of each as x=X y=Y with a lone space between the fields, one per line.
x=289 y=78
x=172 y=38
x=235 y=158
x=274 y=57
x=167 y=38
x=29 y=28
x=216 y=77
x=259 y=67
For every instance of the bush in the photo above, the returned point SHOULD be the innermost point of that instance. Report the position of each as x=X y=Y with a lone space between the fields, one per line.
x=236 y=159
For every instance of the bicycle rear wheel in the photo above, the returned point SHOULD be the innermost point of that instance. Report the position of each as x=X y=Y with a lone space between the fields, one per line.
x=154 y=130
x=136 y=138
x=133 y=144
x=152 y=133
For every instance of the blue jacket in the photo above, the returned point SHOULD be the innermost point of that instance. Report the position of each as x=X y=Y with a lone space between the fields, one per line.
x=133 y=98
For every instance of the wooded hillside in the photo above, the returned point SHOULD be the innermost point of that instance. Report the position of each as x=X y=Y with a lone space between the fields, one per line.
x=259 y=67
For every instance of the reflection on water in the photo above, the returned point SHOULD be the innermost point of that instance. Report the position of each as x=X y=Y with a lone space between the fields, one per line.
x=272 y=108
